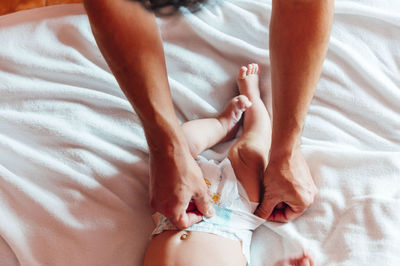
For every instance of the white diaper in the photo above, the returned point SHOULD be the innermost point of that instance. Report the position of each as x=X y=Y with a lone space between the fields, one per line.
x=234 y=218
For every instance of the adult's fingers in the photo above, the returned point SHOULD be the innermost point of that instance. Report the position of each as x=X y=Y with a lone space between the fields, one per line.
x=284 y=213
x=204 y=206
x=177 y=214
x=180 y=220
x=194 y=217
x=186 y=219
x=266 y=208
x=183 y=217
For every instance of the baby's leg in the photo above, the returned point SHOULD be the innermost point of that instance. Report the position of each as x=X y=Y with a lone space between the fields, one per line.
x=303 y=260
x=249 y=155
x=205 y=133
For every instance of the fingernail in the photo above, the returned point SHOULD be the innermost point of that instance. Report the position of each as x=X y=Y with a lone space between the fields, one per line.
x=210 y=212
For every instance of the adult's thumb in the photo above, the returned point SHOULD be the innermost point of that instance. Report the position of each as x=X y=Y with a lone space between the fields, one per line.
x=265 y=209
x=204 y=206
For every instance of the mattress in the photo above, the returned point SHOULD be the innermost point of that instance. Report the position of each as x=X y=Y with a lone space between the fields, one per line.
x=10 y=6
x=74 y=161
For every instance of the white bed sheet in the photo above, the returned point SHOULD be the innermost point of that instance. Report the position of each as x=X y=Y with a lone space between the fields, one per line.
x=73 y=161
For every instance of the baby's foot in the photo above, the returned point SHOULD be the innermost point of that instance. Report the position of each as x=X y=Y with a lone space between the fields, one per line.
x=230 y=117
x=304 y=260
x=247 y=81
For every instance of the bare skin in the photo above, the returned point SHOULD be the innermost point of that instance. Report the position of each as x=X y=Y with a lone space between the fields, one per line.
x=183 y=248
x=128 y=37
x=299 y=36
x=303 y=260
x=180 y=248
x=248 y=158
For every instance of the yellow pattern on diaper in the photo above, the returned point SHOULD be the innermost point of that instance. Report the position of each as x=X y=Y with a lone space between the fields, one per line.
x=215 y=198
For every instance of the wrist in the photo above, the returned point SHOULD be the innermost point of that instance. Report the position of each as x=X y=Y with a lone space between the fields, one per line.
x=285 y=144
x=166 y=140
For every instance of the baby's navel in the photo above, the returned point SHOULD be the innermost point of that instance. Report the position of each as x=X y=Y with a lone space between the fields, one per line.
x=185 y=235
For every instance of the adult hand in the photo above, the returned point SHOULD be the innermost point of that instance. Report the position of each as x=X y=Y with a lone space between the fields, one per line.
x=177 y=188
x=138 y=64
x=289 y=188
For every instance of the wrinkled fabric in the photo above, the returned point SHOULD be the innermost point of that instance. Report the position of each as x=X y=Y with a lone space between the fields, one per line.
x=73 y=160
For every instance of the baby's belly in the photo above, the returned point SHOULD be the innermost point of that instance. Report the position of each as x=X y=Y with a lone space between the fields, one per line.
x=185 y=248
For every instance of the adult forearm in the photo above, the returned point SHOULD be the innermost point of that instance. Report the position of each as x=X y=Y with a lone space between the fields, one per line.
x=299 y=35
x=128 y=37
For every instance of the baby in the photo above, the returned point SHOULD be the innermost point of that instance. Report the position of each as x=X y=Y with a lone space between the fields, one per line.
x=234 y=185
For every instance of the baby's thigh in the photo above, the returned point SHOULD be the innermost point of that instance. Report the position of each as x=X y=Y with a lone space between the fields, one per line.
x=248 y=164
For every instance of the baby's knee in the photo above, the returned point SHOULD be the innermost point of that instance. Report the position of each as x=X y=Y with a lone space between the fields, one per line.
x=248 y=154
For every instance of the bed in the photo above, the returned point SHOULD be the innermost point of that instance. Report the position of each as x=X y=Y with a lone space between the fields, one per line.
x=10 y=6
x=73 y=161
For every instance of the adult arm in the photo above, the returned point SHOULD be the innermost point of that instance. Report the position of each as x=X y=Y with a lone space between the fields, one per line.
x=128 y=37
x=299 y=36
